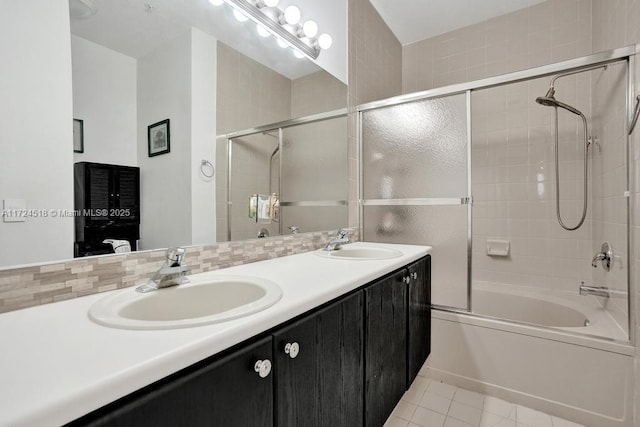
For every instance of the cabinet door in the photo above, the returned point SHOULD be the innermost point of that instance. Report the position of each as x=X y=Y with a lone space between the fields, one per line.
x=225 y=393
x=99 y=194
x=385 y=347
x=322 y=384
x=419 y=319
x=127 y=201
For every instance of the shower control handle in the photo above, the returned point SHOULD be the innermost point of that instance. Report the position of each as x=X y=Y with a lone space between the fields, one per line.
x=605 y=256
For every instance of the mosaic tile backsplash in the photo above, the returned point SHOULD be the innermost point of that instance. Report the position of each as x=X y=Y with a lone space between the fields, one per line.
x=42 y=284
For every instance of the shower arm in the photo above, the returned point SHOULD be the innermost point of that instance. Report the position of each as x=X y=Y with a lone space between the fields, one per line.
x=581 y=70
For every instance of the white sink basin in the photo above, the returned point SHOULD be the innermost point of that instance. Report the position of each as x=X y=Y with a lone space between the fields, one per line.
x=363 y=253
x=201 y=302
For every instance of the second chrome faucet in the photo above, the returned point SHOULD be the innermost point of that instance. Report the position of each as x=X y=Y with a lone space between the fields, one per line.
x=342 y=238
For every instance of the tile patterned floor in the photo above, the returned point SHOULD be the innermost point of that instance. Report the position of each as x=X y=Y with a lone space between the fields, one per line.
x=430 y=403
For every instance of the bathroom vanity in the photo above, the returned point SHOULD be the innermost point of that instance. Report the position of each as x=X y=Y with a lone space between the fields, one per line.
x=340 y=348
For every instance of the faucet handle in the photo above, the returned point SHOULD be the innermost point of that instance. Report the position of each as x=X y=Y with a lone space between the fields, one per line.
x=342 y=232
x=175 y=256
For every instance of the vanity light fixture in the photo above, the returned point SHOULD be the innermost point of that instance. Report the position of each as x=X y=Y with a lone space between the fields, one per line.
x=310 y=29
x=285 y=25
x=292 y=15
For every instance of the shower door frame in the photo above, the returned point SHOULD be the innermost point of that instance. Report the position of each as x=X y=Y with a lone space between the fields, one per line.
x=627 y=53
x=279 y=126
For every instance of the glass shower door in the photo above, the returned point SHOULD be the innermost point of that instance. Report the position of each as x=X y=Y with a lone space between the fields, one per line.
x=416 y=186
x=314 y=176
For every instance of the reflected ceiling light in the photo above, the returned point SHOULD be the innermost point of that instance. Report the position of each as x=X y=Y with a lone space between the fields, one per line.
x=297 y=54
x=216 y=2
x=310 y=28
x=284 y=25
x=292 y=15
x=82 y=9
x=262 y=31
x=240 y=16
x=325 y=41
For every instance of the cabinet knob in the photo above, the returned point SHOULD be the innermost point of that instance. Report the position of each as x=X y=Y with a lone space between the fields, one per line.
x=414 y=275
x=263 y=368
x=292 y=349
x=406 y=279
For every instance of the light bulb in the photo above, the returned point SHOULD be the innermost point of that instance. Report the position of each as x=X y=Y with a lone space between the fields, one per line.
x=271 y=3
x=282 y=43
x=240 y=16
x=216 y=2
x=262 y=31
x=325 y=41
x=310 y=28
x=292 y=15
x=298 y=54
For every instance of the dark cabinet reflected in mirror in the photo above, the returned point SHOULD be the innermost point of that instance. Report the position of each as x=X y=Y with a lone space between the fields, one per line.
x=135 y=63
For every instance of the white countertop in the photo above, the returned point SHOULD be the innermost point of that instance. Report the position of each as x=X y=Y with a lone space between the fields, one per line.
x=57 y=365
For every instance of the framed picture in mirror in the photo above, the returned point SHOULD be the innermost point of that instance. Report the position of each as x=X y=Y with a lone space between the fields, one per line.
x=158 y=138
x=78 y=136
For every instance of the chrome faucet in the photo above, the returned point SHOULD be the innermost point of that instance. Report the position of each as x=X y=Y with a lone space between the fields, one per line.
x=173 y=272
x=341 y=238
x=605 y=256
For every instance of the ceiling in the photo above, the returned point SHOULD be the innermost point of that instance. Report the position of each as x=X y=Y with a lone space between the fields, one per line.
x=414 y=20
x=137 y=27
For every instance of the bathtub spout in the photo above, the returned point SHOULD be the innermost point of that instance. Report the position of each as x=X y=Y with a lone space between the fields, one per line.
x=599 y=291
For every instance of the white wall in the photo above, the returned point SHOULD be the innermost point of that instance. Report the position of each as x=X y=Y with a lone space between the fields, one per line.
x=203 y=135
x=164 y=87
x=36 y=128
x=178 y=82
x=331 y=16
x=104 y=96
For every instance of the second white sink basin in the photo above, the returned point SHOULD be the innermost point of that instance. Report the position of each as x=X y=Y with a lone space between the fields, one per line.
x=201 y=302
x=354 y=251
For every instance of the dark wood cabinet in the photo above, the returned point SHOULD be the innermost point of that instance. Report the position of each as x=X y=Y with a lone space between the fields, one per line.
x=227 y=392
x=345 y=364
x=107 y=205
x=385 y=346
x=318 y=360
x=419 y=316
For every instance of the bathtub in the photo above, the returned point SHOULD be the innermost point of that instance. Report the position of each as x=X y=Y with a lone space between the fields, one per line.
x=565 y=310
x=560 y=353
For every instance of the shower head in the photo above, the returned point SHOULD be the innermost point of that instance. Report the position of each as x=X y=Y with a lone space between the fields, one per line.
x=550 y=101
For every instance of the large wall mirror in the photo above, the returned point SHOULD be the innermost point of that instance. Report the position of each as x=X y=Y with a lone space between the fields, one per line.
x=171 y=87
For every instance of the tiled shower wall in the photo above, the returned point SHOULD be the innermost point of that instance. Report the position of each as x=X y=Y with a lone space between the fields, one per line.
x=514 y=186
x=549 y=32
